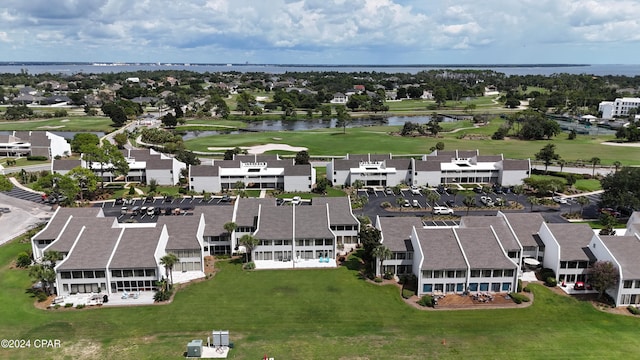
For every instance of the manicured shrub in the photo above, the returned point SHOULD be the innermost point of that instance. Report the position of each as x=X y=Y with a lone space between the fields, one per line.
x=162 y=295
x=388 y=275
x=550 y=281
x=385 y=205
x=56 y=306
x=249 y=266
x=406 y=293
x=223 y=256
x=80 y=306
x=519 y=298
x=378 y=279
x=634 y=310
x=37 y=158
x=519 y=285
x=426 y=300
x=41 y=296
x=23 y=260
x=546 y=273
x=527 y=289
x=68 y=305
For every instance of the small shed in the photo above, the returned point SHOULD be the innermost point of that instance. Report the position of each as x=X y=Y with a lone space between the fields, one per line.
x=194 y=348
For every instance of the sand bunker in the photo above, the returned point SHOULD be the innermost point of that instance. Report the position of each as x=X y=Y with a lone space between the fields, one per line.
x=259 y=149
x=51 y=127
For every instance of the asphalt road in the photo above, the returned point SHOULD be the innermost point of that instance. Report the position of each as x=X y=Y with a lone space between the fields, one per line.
x=18 y=215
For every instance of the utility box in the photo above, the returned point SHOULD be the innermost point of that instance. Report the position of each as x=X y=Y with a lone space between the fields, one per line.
x=220 y=337
x=194 y=348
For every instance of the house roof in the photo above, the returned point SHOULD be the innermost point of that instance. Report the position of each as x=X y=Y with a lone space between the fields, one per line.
x=626 y=250
x=93 y=248
x=482 y=249
x=574 y=241
x=396 y=232
x=203 y=170
x=429 y=165
x=215 y=217
x=136 y=248
x=65 y=164
x=275 y=223
x=489 y=158
x=369 y=157
x=499 y=225
x=60 y=218
x=440 y=249
x=525 y=226
x=182 y=231
x=312 y=222
x=510 y=164
x=247 y=211
x=339 y=210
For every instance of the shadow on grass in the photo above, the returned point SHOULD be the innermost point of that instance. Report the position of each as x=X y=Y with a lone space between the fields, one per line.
x=237 y=261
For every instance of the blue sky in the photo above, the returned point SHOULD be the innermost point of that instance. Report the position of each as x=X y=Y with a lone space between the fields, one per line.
x=322 y=31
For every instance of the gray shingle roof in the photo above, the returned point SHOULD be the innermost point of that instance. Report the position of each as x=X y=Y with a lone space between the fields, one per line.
x=396 y=230
x=339 y=210
x=574 y=241
x=429 y=165
x=312 y=222
x=369 y=157
x=182 y=231
x=215 y=217
x=340 y=164
x=94 y=246
x=509 y=164
x=136 y=248
x=499 y=225
x=63 y=164
x=60 y=218
x=525 y=226
x=441 y=250
x=482 y=249
x=626 y=250
x=248 y=210
x=204 y=170
x=275 y=223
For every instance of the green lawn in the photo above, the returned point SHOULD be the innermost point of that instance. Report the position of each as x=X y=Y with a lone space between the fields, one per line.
x=378 y=139
x=310 y=314
x=69 y=123
x=588 y=185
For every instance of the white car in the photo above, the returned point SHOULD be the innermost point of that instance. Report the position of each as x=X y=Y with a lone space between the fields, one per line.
x=296 y=200
x=442 y=210
x=406 y=203
x=415 y=203
x=415 y=190
x=560 y=200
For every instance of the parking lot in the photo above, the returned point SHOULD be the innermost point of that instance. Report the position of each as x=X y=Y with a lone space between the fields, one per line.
x=149 y=209
x=378 y=195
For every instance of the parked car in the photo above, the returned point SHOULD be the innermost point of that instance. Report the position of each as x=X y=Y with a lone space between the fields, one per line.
x=415 y=203
x=450 y=203
x=560 y=200
x=610 y=211
x=415 y=190
x=486 y=200
x=478 y=189
x=151 y=211
x=406 y=203
x=119 y=201
x=442 y=210
x=124 y=210
x=296 y=200
x=388 y=191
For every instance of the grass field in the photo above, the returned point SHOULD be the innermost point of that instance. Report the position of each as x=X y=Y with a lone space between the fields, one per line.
x=70 y=123
x=379 y=140
x=310 y=314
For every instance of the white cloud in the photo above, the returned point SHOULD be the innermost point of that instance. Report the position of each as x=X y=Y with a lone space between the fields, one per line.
x=325 y=30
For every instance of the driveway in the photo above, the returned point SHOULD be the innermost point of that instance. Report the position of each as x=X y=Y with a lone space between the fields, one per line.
x=18 y=216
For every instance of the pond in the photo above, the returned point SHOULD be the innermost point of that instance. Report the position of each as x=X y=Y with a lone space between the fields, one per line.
x=295 y=125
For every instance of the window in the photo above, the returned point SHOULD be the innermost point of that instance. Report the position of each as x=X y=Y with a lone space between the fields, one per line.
x=460 y=273
x=506 y=286
x=427 y=274
x=127 y=273
x=65 y=275
x=437 y=274
x=473 y=286
x=427 y=288
x=484 y=286
x=637 y=284
x=475 y=273
x=77 y=274
x=628 y=284
x=116 y=273
x=139 y=272
x=486 y=273
x=508 y=272
x=563 y=264
x=88 y=274
x=451 y=274
x=319 y=242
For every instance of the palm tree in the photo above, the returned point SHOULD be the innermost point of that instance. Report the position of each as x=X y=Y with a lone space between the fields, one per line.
x=400 y=202
x=44 y=274
x=168 y=261
x=594 y=161
x=469 y=201
x=432 y=198
x=249 y=242
x=562 y=163
x=617 y=164
x=518 y=190
x=382 y=253
x=51 y=257
x=582 y=200
x=230 y=227
x=533 y=201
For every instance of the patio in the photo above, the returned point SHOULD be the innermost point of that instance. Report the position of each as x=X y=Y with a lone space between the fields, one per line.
x=295 y=264
x=115 y=299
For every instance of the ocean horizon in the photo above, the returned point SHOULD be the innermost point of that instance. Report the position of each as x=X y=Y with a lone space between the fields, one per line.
x=33 y=67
